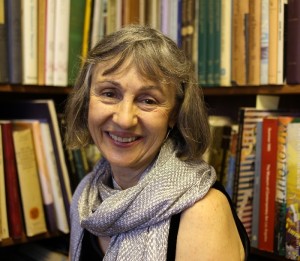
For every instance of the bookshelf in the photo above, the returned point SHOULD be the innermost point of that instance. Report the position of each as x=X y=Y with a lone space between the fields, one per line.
x=220 y=100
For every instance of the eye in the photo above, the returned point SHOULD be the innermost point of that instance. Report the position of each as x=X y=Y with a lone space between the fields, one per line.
x=109 y=94
x=150 y=101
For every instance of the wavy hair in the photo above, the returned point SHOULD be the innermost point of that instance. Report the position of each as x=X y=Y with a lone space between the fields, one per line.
x=159 y=59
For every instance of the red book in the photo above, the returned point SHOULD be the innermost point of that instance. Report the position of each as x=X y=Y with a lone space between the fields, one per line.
x=14 y=212
x=268 y=184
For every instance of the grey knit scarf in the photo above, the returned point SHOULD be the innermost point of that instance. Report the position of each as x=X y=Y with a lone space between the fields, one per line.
x=137 y=219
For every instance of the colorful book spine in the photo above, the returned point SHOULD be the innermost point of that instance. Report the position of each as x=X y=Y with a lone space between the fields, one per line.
x=293 y=192
x=268 y=184
x=280 y=197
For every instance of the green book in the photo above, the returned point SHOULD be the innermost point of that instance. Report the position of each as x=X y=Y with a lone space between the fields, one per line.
x=75 y=39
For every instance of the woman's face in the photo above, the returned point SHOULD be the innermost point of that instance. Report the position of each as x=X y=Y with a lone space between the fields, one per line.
x=128 y=117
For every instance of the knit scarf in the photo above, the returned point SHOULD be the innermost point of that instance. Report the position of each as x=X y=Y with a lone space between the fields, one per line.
x=138 y=218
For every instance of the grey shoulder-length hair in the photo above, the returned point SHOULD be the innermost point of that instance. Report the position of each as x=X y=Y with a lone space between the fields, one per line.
x=159 y=59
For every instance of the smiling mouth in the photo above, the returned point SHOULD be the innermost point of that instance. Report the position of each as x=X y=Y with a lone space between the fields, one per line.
x=123 y=139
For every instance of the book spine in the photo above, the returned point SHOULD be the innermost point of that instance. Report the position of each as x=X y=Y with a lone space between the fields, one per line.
x=293 y=43
x=256 y=188
x=293 y=192
x=31 y=195
x=4 y=232
x=29 y=41
x=254 y=42
x=273 y=41
x=3 y=45
x=268 y=184
x=226 y=31
x=76 y=34
x=13 y=202
x=49 y=49
x=264 y=44
x=42 y=4
x=61 y=43
x=14 y=40
x=280 y=197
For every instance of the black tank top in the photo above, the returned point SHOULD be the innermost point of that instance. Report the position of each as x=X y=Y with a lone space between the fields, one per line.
x=91 y=251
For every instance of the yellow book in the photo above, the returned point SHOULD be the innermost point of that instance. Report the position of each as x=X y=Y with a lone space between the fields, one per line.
x=86 y=28
x=293 y=191
x=31 y=195
x=4 y=230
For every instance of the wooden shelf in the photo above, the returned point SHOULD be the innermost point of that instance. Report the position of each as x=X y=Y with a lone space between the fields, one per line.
x=252 y=90
x=24 y=239
x=34 y=89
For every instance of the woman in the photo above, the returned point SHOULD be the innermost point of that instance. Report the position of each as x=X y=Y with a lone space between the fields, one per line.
x=150 y=197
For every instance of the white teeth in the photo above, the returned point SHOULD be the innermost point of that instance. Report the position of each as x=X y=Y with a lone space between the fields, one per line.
x=120 y=139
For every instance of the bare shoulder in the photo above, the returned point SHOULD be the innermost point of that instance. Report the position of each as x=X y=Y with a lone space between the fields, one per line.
x=207 y=231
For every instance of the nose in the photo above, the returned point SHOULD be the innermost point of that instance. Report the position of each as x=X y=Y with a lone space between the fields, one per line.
x=125 y=114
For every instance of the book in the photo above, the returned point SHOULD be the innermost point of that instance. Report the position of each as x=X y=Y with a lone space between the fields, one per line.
x=49 y=45
x=292 y=191
x=75 y=37
x=256 y=186
x=98 y=27
x=3 y=46
x=30 y=189
x=268 y=184
x=240 y=40
x=44 y=176
x=188 y=28
x=43 y=110
x=52 y=167
x=281 y=44
x=4 y=232
x=293 y=43
x=41 y=45
x=210 y=42
x=226 y=43
x=13 y=199
x=202 y=42
x=14 y=40
x=29 y=14
x=131 y=12
x=231 y=161
x=280 y=196
x=245 y=160
x=111 y=21
x=61 y=43
x=86 y=28
x=264 y=43
x=254 y=42
x=273 y=41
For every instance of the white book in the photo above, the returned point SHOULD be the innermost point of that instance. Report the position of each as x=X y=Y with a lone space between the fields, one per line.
x=280 y=59
x=61 y=43
x=226 y=42
x=264 y=65
x=4 y=233
x=29 y=16
x=60 y=211
x=98 y=22
x=49 y=46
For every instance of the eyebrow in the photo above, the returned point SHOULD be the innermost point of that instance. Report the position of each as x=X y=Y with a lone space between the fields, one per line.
x=143 y=88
